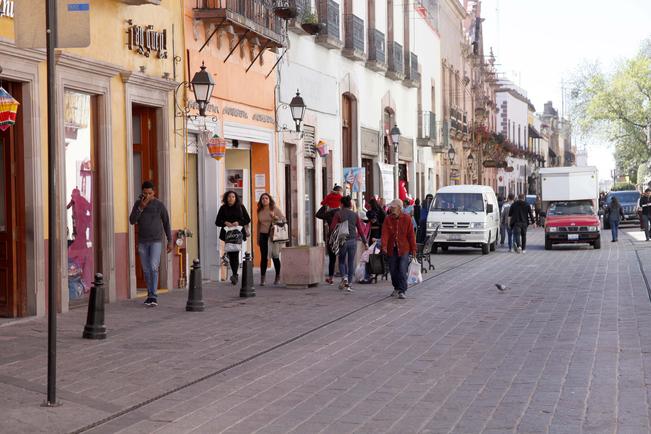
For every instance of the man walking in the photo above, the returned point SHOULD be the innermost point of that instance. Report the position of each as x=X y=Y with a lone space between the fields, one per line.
x=521 y=216
x=398 y=242
x=153 y=221
x=505 y=227
x=645 y=204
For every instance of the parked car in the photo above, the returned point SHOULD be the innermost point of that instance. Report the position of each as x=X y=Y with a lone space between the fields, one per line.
x=466 y=216
x=629 y=200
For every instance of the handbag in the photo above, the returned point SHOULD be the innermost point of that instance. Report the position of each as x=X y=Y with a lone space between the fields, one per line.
x=321 y=213
x=233 y=238
x=375 y=263
x=280 y=232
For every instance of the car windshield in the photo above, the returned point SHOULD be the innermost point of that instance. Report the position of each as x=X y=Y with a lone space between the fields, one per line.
x=471 y=202
x=625 y=196
x=571 y=208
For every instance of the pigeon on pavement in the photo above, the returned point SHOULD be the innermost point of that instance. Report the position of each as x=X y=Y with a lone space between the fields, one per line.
x=501 y=287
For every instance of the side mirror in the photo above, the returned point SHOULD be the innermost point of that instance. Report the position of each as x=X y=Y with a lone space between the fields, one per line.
x=489 y=208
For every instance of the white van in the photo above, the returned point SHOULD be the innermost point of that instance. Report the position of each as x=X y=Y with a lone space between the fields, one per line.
x=466 y=216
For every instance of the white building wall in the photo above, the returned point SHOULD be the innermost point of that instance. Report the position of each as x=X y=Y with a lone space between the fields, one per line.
x=516 y=116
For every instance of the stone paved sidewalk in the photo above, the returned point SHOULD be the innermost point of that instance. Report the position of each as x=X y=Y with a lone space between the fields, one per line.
x=564 y=350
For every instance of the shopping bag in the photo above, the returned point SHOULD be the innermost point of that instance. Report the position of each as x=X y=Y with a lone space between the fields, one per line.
x=360 y=272
x=376 y=263
x=233 y=239
x=414 y=275
x=280 y=232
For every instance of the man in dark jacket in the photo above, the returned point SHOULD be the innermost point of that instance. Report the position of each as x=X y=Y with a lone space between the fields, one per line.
x=153 y=223
x=521 y=216
x=645 y=204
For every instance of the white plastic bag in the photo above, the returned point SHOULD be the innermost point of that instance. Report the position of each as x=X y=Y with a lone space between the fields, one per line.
x=414 y=276
x=360 y=272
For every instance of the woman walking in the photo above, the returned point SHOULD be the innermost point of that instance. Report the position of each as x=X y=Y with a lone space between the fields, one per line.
x=231 y=214
x=349 y=248
x=376 y=216
x=268 y=216
x=615 y=215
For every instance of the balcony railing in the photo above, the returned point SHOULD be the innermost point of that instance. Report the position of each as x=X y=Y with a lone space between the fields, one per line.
x=255 y=16
x=428 y=132
x=412 y=77
x=330 y=36
x=303 y=7
x=354 y=31
x=396 y=62
x=376 y=50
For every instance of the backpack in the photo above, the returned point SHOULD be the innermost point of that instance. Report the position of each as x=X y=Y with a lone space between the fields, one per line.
x=338 y=237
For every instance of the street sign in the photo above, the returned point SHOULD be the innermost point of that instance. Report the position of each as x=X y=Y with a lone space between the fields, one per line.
x=73 y=30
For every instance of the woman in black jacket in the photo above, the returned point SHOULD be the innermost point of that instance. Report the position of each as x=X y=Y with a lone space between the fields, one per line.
x=232 y=213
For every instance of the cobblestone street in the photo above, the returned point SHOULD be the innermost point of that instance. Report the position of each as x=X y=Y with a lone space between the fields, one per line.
x=564 y=350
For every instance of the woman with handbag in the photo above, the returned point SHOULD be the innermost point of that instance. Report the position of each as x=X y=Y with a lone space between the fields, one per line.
x=232 y=214
x=272 y=233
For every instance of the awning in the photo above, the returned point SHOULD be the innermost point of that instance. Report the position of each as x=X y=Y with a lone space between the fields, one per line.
x=533 y=133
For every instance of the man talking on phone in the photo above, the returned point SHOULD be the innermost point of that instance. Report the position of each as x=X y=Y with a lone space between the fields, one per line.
x=153 y=221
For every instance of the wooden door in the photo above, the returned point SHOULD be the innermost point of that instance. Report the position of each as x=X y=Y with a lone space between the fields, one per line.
x=145 y=163
x=12 y=205
x=367 y=164
x=347 y=131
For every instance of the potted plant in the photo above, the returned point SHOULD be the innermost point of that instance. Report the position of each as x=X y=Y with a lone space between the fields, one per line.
x=311 y=24
x=285 y=10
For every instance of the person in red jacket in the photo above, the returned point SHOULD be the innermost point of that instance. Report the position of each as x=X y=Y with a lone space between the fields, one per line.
x=398 y=242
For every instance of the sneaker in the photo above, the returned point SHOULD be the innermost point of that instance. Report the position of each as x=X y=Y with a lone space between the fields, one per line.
x=153 y=302
x=394 y=293
x=510 y=250
x=402 y=296
x=524 y=251
x=343 y=284
x=234 y=279
x=518 y=250
x=329 y=281
x=348 y=290
x=147 y=301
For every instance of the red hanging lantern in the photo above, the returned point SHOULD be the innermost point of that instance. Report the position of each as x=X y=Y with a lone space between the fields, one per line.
x=217 y=147
x=8 y=109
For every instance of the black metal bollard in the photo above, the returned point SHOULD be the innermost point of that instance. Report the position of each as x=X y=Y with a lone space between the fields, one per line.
x=247 y=277
x=94 y=328
x=195 y=292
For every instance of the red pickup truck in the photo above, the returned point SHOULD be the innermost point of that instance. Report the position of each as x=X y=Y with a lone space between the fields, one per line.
x=572 y=222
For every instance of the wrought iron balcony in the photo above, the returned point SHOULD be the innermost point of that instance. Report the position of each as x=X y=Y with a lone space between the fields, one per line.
x=428 y=132
x=303 y=8
x=255 y=17
x=354 y=32
x=396 y=62
x=412 y=76
x=330 y=36
x=376 y=51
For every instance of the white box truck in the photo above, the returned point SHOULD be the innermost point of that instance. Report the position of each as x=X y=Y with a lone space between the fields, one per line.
x=570 y=197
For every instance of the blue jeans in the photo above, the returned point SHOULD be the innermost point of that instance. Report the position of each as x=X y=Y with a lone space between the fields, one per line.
x=399 y=268
x=504 y=231
x=150 y=253
x=645 y=225
x=614 y=227
x=347 y=259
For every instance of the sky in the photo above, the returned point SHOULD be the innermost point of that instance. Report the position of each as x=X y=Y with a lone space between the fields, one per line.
x=539 y=43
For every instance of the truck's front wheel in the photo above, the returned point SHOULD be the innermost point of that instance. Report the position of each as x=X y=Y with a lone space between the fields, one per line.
x=485 y=249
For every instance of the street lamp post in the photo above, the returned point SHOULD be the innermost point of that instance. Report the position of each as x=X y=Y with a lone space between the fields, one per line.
x=395 y=139
x=451 y=155
x=202 y=87
x=297 y=107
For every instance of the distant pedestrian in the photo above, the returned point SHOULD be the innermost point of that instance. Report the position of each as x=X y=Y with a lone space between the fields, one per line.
x=645 y=205
x=153 y=222
x=521 y=217
x=329 y=207
x=417 y=210
x=268 y=215
x=398 y=242
x=615 y=215
x=505 y=227
x=421 y=234
x=230 y=215
x=349 y=248
x=375 y=216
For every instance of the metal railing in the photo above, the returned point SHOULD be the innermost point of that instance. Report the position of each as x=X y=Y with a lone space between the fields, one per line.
x=376 y=46
x=260 y=12
x=354 y=33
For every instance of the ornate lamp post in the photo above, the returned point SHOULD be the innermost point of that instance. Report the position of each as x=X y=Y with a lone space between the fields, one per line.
x=297 y=107
x=202 y=87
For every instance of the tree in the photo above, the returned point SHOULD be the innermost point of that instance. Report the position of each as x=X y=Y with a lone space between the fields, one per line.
x=617 y=107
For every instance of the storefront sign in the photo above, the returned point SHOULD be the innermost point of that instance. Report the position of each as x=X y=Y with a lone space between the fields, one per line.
x=236 y=113
x=145 y=40
x=210 y=108
x=7 y=8
x=263 y=118
x=388 y=180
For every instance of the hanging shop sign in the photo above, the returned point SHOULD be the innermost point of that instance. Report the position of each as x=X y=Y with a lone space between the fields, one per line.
x=489 y=163
x=455 y=175
x=509 y=169
x=7 y=8
x=145 y=40
x=322 y=148
x=8 y=109
x=217 y=147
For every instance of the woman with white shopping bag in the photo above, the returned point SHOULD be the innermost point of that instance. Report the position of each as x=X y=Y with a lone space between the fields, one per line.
x=232 y=218
x=398 y=242
x=272 y=235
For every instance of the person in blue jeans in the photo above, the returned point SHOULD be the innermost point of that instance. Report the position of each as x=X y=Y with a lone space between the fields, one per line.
x=505 y=227
x=615 y=215
x=398 y=243
x=153 y=222
x=348 y=249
